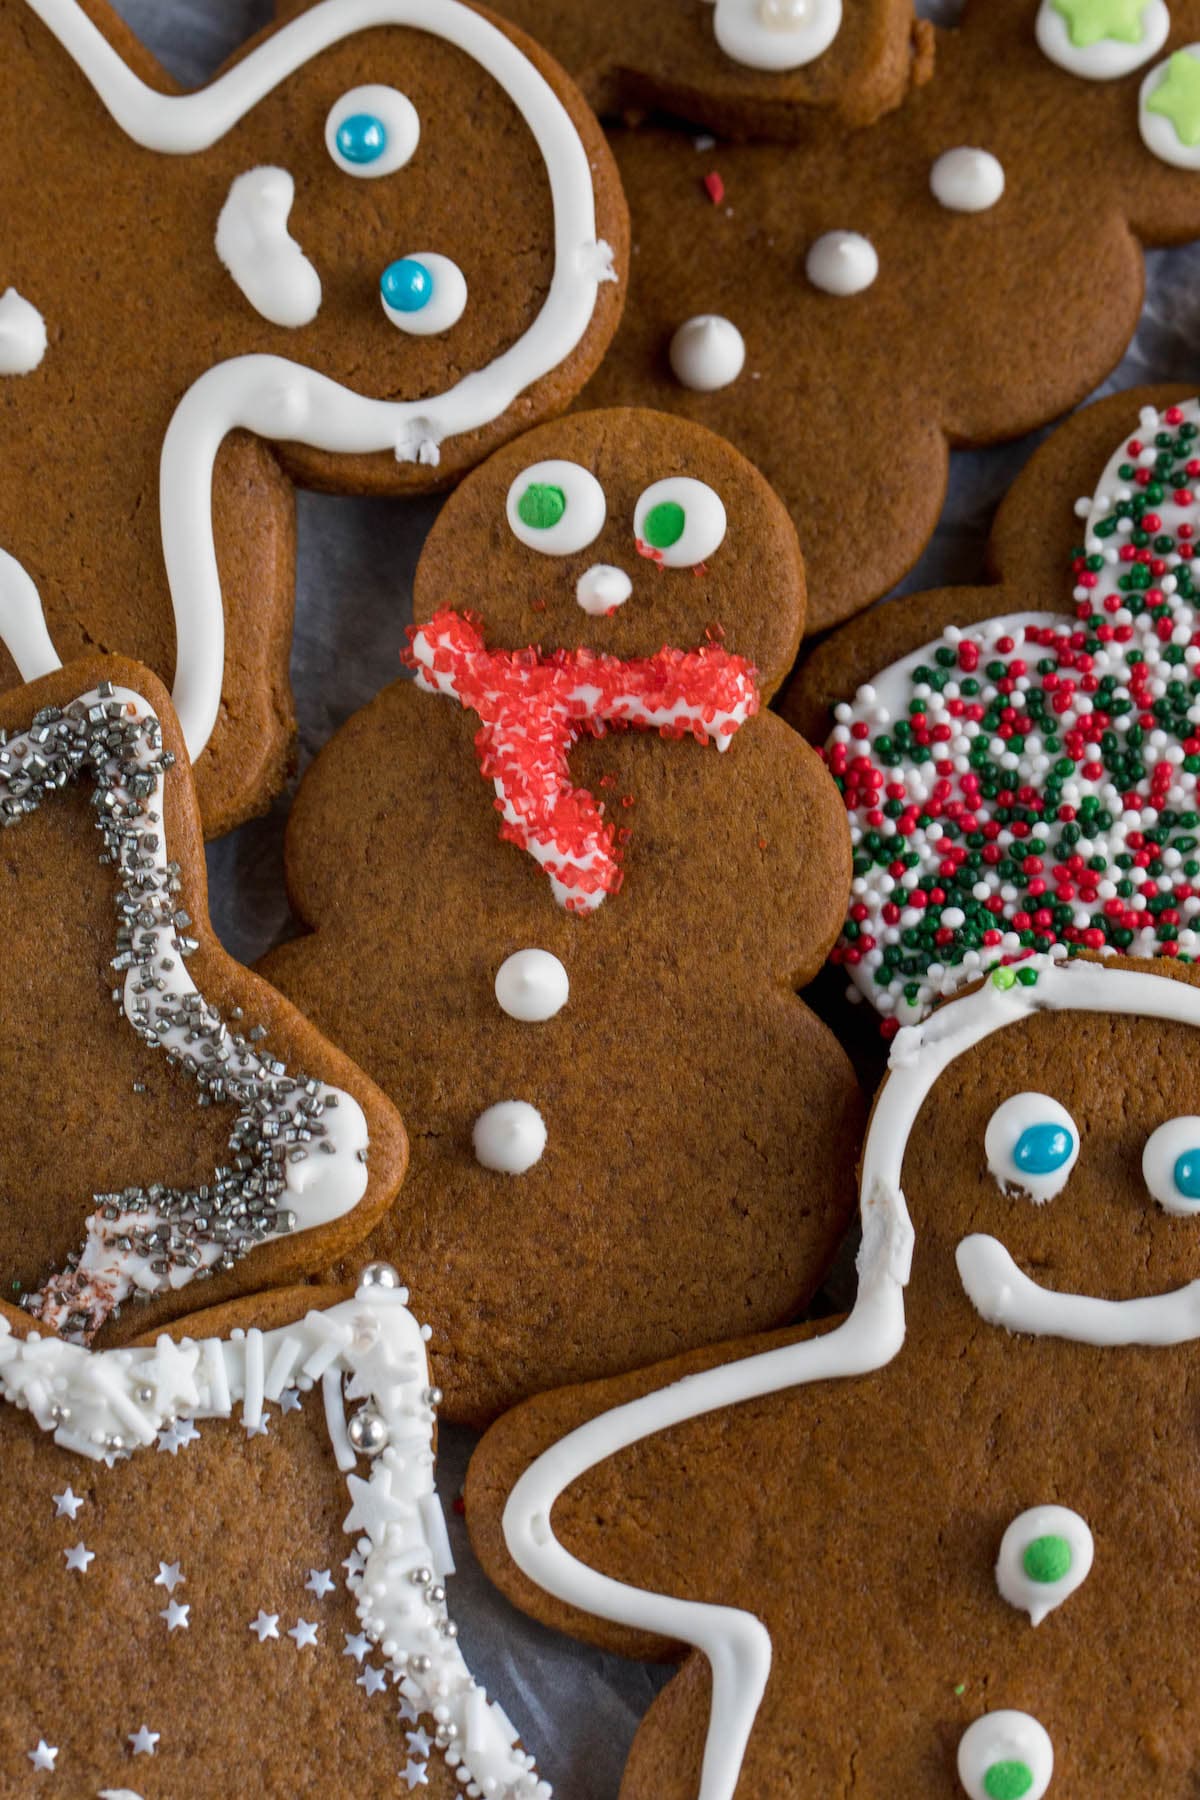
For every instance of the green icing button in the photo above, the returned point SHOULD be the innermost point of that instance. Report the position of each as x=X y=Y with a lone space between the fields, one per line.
x=1047 y=1560
x=1088 y=21
x=1177 y=97
x=663 y=525
x=1007 y=1780
x=541 y=506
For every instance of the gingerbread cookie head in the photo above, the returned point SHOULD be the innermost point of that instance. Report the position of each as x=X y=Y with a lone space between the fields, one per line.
x=1026 y=1321
x=167 y=1118
x=333 y=268
x=249 y=1503
x=578 y=831
x=745 y=68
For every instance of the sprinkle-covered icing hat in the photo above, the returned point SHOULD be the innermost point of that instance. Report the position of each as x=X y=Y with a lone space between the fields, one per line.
x=1029 y=784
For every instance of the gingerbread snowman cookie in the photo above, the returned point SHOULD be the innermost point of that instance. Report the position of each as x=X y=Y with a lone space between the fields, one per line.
x=912 y=1547
x=559 y=893
x=308 y=270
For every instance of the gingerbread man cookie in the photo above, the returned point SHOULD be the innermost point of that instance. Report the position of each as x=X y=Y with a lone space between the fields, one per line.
x=560 y=892
x=1026 y=779
x=312 y=250
x=166 y=1117
x=913 y=1547
x=849 y=310
x=224 y=1551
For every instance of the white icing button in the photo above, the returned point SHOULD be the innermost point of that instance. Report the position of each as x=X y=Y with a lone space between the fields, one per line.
x=602 y=588
x=1159 y=133
x=776 y=34
x=509 y=1137
x=1045 y=1554
x=532 y=985
x=1031 y=1144
x=260 y=253
x=1105 y=58
x=22 y=334
x=967 y=180
x=1005 y=1740
x=842 y=263
x=707 y=353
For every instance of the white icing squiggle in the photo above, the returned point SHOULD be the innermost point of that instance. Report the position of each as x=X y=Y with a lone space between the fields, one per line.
x=22 y=334
x=281 y=400
x=261 y=254
x=105 y=1405
x=23 y=623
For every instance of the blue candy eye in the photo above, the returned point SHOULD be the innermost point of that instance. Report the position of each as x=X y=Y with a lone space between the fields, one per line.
x=372 y=131
x=424 y=293
x=1041 y=1149
x=1171 y=1165
x=362 y=138
x=1031 y=1144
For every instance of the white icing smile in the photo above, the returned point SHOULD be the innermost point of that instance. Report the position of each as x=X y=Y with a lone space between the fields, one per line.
x=1004 y=1295
x=265 y=260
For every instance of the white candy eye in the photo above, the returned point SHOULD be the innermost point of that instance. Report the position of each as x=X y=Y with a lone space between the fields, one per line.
x=679 y=522
x=1005 y=1753
x=556 y=507
x=1045 y=1554
x=423 y=293
x=1032 y=1145
x=1171 y=1165
x=372 y=131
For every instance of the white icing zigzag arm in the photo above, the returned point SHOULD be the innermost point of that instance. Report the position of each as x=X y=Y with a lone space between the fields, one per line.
x=281 y=400
x=737 y=1644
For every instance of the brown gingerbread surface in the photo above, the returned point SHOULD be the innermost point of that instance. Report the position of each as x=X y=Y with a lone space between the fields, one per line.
x=978 y=326
x=701 y=1125
x=118 y=256
x=868 y=1547
x=88 y=1107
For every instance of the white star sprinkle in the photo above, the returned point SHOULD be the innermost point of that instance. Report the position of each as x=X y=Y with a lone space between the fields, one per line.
x=43 y=1757
x=176 y=1436
x=373 y=1679
x=172 y=1374
x=304 y=1633
x=354 y=1564
x=357 y=1647
x=259 y=1430
x=289 y=1400
x=175 y=1615
x=66 y=1504
x=419 y=1742
x=266 y=1625
x=79 y=1556
x=169 y=1576
x=143 y=1740
x=374 y=1506
x=408 y=1712
x=415 y=1776
x=320 y=1582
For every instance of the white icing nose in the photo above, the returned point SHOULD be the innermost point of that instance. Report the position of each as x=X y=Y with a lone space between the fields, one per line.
x=602 y=589
x=265 y=260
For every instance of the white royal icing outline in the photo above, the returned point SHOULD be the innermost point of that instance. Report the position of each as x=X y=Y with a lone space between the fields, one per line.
x=23 y=631
x=282 y=401
x=22 y=334
x=106 y=1405
x=738 y=1645
x=164 y=1007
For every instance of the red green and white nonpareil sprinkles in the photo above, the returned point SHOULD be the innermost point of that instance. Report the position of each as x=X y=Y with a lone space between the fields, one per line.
x=1030 y=784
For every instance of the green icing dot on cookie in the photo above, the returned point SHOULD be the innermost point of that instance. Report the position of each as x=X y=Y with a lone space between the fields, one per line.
x=541 y=506
x=1047 y=1559
x=1008 y=1780
x=664 y=525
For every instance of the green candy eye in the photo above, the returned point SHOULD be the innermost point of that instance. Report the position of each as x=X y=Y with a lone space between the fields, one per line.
x=541 y=506
x=1008 y=1781
x=1047 y=1559
x=556 y=507
x=664 y=525
x=679 y=522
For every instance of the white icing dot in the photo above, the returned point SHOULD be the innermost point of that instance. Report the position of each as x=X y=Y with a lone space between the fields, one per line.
x=1013 y=1578
x=776 y=34
x=509 y=1137
x=967 y=180
x=707 y=353
x=602 y=588
x=1005 y=1737
x=22 y=334
x=842 y=263
x=532 y=985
